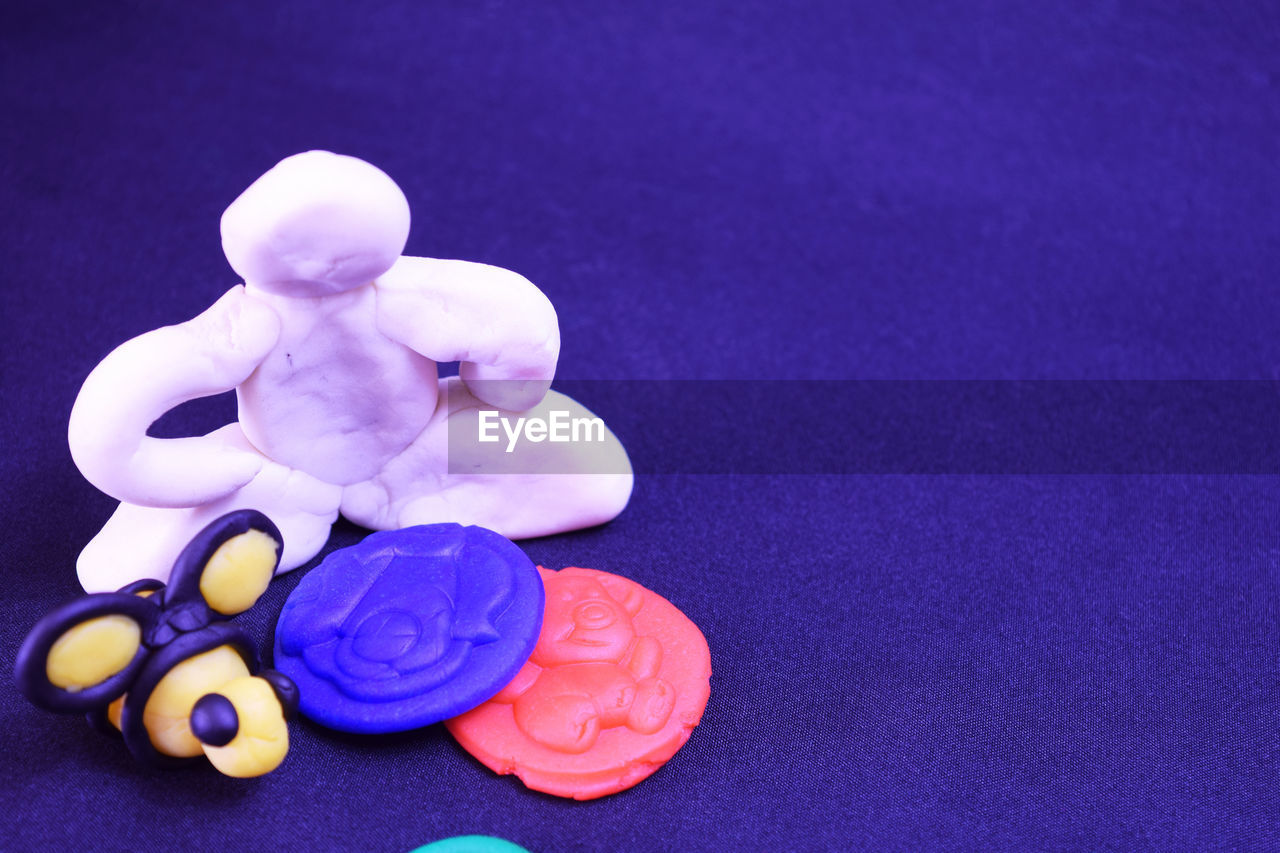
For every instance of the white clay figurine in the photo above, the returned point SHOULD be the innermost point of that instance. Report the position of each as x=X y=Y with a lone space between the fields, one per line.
x=331 y=344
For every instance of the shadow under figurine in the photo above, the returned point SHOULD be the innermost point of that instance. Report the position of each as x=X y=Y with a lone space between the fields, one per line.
x=157 y=662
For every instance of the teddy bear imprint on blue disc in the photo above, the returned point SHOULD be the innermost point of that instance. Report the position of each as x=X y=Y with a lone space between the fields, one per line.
x=409 y=627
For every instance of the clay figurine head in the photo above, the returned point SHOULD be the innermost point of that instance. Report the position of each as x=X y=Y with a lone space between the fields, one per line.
x=315 y=224
x=584 y=622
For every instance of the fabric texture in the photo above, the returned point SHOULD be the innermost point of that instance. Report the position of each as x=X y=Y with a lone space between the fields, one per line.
x=710 y=191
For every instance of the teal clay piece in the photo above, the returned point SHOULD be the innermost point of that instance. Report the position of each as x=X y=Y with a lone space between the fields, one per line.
x=471 y=844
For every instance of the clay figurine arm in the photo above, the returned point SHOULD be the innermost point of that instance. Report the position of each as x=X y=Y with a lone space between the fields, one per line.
x=145 y=377
x=646 y=658
x=493 y=321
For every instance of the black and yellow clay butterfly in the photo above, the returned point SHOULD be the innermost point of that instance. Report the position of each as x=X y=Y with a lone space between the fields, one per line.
x=157 y=662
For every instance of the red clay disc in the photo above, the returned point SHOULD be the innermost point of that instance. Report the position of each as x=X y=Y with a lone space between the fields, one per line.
x=616 y=683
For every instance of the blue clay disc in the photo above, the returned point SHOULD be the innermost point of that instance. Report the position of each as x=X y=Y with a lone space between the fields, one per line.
x=409 y=627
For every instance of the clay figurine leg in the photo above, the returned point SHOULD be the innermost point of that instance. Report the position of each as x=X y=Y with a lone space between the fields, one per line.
x=142 y=542
x=654 y=702
x=548 y=487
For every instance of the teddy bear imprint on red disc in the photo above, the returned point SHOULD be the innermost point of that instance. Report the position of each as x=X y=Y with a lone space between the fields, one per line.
x=618 y=679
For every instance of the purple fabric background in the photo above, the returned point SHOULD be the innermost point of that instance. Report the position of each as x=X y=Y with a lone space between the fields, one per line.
x=820 y=191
